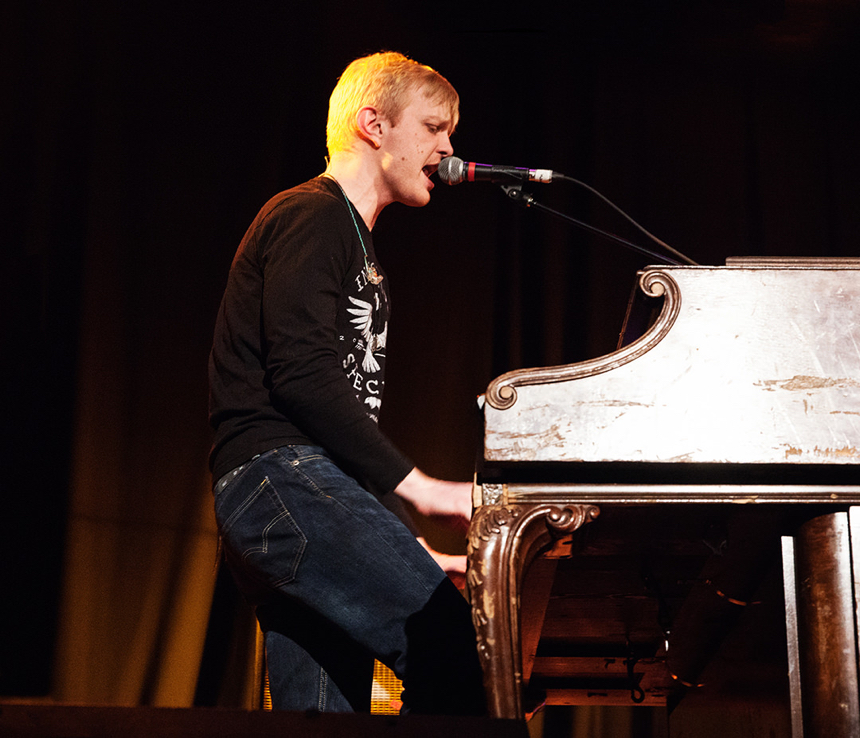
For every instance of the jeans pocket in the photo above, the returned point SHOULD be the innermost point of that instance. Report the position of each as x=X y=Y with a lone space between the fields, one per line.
x=260 y=535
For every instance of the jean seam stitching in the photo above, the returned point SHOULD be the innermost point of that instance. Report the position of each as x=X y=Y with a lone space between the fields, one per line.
x=323 y=689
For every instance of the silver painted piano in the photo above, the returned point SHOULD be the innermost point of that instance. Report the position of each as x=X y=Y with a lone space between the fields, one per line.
x=733 y=387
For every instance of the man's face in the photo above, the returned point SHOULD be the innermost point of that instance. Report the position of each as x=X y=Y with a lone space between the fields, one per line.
x=412 y=149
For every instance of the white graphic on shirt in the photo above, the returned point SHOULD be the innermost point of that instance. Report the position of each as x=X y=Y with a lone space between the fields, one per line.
x=363 y=322
x=373 y=402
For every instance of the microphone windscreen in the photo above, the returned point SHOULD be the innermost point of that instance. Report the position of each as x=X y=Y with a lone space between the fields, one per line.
x=451 y=170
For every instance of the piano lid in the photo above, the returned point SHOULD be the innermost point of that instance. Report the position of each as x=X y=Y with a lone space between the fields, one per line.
x=757 y=362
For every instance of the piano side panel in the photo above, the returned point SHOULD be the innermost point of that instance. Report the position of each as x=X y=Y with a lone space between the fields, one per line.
x=761 y=365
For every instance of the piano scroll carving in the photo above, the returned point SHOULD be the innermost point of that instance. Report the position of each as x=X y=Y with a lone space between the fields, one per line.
x=502 y=393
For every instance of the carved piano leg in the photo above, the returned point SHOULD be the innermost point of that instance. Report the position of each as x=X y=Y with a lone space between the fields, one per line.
x=503 y=540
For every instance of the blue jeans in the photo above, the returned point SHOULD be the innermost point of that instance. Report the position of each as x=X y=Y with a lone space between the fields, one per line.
x=337 y=581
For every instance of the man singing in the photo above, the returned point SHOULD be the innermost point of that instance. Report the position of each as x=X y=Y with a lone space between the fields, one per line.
x=306 y=482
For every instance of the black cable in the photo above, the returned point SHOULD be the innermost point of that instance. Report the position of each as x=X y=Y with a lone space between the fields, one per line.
x=683 y=257
x=515 y=192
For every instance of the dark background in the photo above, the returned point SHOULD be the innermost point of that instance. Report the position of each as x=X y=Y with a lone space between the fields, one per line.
x=138 y=140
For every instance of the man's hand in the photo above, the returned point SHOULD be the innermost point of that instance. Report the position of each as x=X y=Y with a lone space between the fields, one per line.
x=453 y=566
x=449 y=502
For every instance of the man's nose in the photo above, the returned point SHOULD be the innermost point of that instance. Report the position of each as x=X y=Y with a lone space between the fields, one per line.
x=444 y=147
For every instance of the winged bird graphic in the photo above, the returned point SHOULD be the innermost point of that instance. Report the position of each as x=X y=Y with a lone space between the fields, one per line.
x=363 y=322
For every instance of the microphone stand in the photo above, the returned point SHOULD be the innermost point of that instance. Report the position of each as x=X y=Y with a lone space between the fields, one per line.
x=515 y=192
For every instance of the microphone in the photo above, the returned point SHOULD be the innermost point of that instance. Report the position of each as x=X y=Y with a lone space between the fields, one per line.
x=453 y=170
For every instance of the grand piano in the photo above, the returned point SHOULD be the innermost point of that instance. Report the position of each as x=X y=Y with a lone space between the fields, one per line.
x=720 y=440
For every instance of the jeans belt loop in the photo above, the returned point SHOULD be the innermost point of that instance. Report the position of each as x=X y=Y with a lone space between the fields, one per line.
x=229 y=477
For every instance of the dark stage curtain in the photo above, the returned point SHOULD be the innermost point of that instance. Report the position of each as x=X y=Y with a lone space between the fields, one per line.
x=138 y=141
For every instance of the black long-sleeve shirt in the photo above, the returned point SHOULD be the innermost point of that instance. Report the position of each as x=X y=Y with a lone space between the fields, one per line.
x=299 y=350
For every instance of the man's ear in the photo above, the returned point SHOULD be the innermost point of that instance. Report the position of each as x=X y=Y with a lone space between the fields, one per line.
x=370 y=125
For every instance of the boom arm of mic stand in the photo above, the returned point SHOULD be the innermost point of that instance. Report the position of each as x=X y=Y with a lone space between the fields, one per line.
x=515 y=192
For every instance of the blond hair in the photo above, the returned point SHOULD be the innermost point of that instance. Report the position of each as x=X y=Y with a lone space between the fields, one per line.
x=384 y=81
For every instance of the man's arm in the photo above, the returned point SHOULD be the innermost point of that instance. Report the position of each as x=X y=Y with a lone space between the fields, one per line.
x=450 y=502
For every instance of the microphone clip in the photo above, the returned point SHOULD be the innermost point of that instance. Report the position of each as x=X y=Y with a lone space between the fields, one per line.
x=515 y=193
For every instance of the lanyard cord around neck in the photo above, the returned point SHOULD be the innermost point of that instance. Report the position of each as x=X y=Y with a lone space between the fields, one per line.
x=373 y=276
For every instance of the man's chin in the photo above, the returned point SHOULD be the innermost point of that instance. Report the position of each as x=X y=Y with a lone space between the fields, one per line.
x=417 y=201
